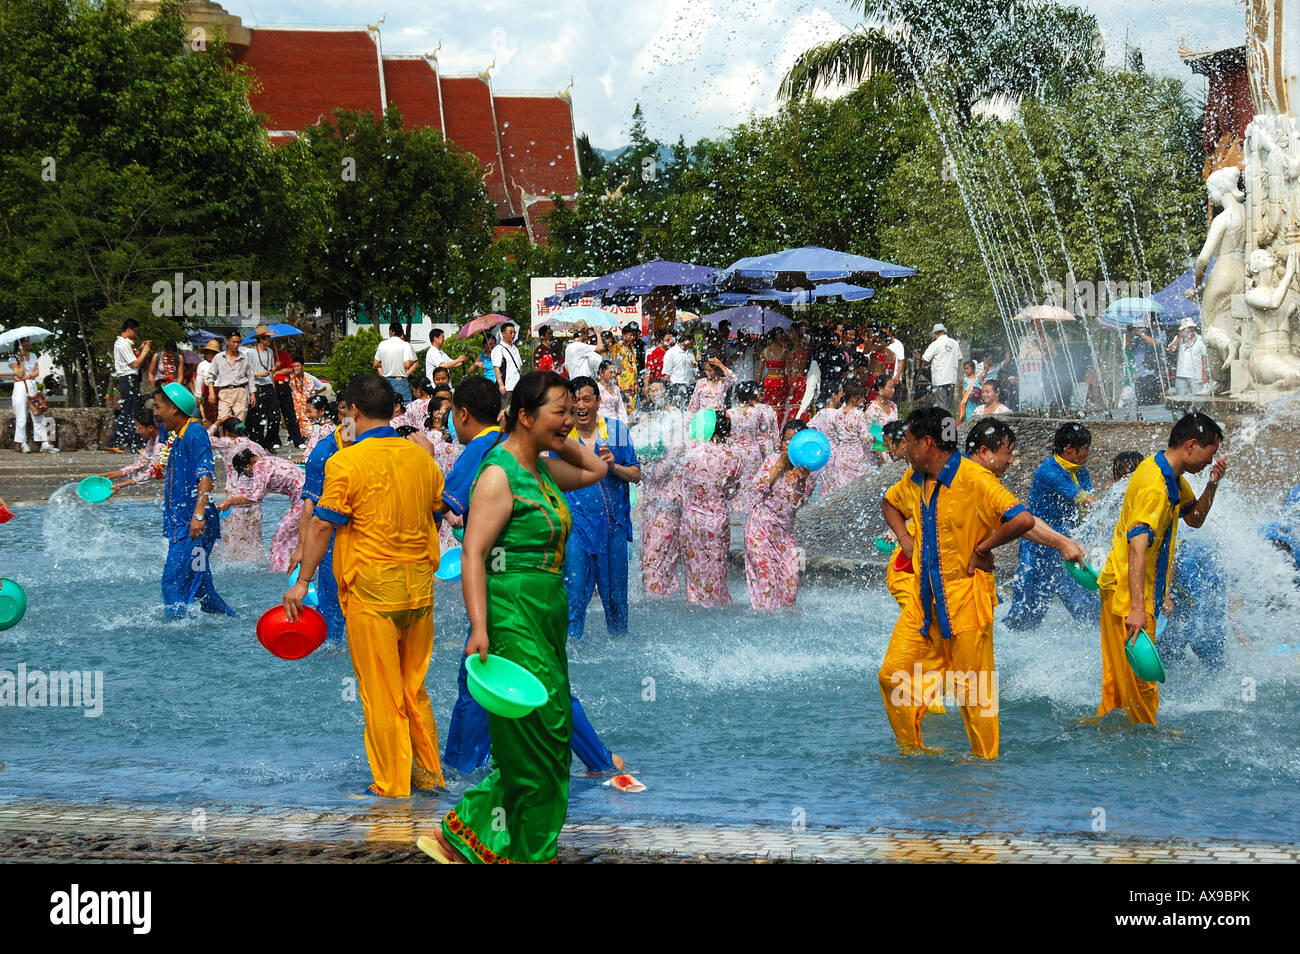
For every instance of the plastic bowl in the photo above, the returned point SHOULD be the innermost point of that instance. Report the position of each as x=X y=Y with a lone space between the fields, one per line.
x=95 y=489
x=291 y=640
x=1144 y=659
x=458 y=532
x=902 y=564
x=6 y=515
x=1083 y=574
x=884 y=546
x=809 y=448
x=312 y=599
x=449 y=566
x=13 y=603
x=182 y=397
x=1162 y=623
x=703 y=424
x=502 y=687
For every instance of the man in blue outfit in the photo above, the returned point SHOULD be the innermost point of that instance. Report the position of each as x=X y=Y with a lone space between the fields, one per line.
x=327 y=587
x=476 y=404
x=1060 y=488
x=190 y=519
x=596 y=556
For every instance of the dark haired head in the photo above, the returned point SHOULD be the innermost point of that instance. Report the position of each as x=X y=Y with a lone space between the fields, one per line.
x=320 y=402
x=232 y=426
x=893 y=431
x=722 y=429
x=936 y=423
x=747 y=391
x=395 y=330
x=1195 y=427
x=144 y=417
x=418 y=382
x=993 y=383
x=1073 y=435
x=243 y=461
x=372 y=396
x=1124 y=464
x=990 y=433
x=543 y=331
x=478 y=396
x=531 y=394
x=632 y=328
x=131 y=324
x=795 y=425
x=583 y=381
x=854 y=390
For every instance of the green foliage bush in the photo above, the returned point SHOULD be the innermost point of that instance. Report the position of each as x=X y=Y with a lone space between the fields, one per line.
x=353 y=355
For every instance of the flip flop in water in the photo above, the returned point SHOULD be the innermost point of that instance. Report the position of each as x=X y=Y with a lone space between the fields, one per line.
x=625 y=783
x=431 y=847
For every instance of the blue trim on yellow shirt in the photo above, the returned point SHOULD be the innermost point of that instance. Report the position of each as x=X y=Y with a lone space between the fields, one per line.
x=1140 y=529
x=1013 y=512
x=333 y=516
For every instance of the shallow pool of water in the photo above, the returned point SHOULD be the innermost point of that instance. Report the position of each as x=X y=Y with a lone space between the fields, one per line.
x=726 y=715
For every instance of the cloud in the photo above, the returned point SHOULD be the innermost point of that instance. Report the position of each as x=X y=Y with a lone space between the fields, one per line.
x=696 y=66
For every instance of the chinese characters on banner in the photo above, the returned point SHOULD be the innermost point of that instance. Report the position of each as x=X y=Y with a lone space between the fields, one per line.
x=542 y=288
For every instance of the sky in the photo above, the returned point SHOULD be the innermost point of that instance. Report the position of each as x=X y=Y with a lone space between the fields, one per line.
x=697 y=67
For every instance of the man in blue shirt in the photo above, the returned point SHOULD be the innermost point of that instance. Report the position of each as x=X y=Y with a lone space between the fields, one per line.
x=596 y=556
x=327 y=587
x=1061 y=487
x=190 y=519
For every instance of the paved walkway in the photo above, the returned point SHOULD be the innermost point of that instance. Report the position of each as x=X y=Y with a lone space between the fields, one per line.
x=57 y=832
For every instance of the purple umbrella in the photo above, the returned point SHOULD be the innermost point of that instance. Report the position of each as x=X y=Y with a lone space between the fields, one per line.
x=658 y=275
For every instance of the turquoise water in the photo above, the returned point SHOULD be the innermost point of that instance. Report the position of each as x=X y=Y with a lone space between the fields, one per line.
x=754 y=718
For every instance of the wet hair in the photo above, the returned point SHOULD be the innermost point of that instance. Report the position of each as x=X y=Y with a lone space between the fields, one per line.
x=372 y=396
x=406 y=430
x=1073 y=435
x=606 y=364
x=936 y=423
x=531 y=393
x=1195 y=427
x=131 y=324
x=721 y=429
x=145 y=418
x=1124 y=464
x=747 y=391
x=242 y=461
x=320 y=402
x=420 y=382
x=854 y=390
x=991 y=434
x=794 y=424
x=632 y=328
x=395 y=330
x=232 y=426
x=438 y=371
x=543 y=331
x=969 y=364
x=993 y=383
x=477 y=395
x=893 y=431
x=584 y=381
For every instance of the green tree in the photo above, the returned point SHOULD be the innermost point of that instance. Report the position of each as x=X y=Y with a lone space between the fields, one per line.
x=962 y=52
x=351 y=356
x=407 y=222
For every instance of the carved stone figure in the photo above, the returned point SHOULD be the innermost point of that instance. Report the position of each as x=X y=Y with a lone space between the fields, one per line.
x=1226 y=245
x=1273 y=303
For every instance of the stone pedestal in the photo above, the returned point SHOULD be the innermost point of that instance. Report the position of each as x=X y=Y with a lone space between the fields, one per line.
x=78 y=428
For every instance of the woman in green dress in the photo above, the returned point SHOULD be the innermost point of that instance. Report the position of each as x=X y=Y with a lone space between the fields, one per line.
x=512 y=579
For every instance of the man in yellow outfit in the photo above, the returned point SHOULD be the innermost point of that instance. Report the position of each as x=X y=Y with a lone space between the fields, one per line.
x=380 y=495
x=946 y=637
x=1141 y=562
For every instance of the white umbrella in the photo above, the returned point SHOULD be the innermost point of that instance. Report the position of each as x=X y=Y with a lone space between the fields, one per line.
x=9 y=340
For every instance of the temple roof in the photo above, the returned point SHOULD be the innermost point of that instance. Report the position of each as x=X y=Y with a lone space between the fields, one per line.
x=411 y=83
x=1206 y=62
x=536 y=136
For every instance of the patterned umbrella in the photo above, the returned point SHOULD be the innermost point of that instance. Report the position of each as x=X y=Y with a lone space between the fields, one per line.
x=480 y=324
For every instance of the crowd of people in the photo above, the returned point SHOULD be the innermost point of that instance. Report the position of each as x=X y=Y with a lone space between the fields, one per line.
x=562 y=467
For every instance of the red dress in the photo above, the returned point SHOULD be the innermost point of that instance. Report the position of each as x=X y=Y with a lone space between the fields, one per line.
x=775 y=386
x=798 y=385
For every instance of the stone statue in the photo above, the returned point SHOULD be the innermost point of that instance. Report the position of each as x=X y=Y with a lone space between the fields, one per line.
x=1279 y=171
x=1226 y=245
x=1272 y=303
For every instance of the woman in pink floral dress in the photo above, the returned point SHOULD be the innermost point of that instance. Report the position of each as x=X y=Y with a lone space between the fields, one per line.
x=753 y=437
x=272 y=475
x=850 y=442
x=771 y=557
x=613 y=406
x=880 y=412
x=241 y=527
x=710 y=477
x=711 y=390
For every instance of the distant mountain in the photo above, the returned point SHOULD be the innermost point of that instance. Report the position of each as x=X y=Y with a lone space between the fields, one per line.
x=609 y=155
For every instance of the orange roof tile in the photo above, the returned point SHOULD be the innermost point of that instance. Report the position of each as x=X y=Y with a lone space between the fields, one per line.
x=306 y=74
x=467 y=106
x=537 y=146
x=412 y=86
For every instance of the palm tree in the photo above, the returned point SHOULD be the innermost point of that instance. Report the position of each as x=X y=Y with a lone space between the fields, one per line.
x=964 y=51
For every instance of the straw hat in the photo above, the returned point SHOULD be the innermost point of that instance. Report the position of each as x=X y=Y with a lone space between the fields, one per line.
x=578 y=327
x=261 y=330
x=211 y=346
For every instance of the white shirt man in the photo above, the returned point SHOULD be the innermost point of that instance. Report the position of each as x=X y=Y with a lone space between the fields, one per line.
x=123 y=357
x=436 y=358
x=506 y=361
x=579 y=355
x=896 y=347
x=944 y=358
x=1190 y=376
x=679 y=364
x=394 y=355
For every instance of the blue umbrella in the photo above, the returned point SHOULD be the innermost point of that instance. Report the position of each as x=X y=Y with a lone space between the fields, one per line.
x=1129 y=311
x=277 y=331
x=841 y=290
x=752 y=318
x=800 y=267
x=199 y=336
x=1174 y=298
x=738 y=298
x=682 y=279
x=594 y=317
